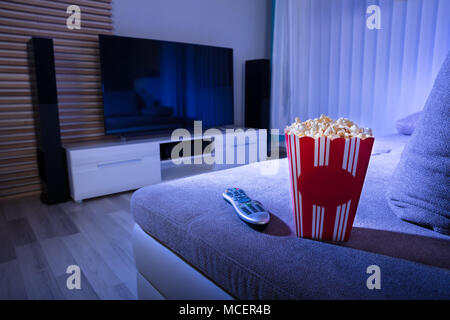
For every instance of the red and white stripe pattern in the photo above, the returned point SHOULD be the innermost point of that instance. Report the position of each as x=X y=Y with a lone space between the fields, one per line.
x=321 y=151
x=317 y=222
x=351 y=153
x=319 y=213
x=340 y=223
x=295 y=171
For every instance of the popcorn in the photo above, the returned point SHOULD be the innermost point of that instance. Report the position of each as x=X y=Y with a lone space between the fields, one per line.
x=325 y=126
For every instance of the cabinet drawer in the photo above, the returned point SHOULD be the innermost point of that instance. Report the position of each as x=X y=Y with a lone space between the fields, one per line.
x=91 y=180
x=113 y=154
x=239 y=138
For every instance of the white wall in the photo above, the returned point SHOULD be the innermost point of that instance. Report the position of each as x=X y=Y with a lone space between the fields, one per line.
x=244 y=25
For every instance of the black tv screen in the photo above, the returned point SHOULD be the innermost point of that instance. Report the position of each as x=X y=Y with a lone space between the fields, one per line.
x=152 y=85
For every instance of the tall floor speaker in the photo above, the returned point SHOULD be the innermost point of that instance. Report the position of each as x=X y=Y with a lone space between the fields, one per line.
x=257 y=94
x=51 y=155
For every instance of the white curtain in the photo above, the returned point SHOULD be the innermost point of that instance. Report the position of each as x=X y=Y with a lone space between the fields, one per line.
x=326 y=60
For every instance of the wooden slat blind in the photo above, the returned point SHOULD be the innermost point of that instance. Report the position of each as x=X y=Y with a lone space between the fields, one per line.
x=77 y=75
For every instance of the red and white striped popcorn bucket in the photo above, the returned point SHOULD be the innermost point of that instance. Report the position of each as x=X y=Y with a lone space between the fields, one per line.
x=326 y=177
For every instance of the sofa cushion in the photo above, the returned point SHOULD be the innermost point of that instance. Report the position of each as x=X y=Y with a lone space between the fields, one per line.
x=407 y=124
x=420 y=188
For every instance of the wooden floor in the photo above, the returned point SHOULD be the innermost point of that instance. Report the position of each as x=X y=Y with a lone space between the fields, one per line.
x=38 y=242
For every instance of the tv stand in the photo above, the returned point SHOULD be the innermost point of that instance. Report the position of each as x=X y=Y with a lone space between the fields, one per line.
x=97 y=169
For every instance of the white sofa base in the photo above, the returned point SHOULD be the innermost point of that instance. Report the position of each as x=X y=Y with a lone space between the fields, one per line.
x=164 y=275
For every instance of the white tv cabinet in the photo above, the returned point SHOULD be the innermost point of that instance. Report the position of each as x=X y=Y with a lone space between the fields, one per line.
x=111 y=167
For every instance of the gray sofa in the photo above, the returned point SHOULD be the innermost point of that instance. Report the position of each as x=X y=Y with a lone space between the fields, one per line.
x=191 y=221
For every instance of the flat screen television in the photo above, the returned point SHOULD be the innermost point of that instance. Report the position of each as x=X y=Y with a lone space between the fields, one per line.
x=152 y=85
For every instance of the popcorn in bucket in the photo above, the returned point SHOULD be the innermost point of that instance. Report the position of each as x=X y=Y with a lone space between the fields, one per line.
x=328 y=161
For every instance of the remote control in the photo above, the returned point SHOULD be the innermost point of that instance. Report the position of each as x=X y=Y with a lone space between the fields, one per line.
x=249 y=210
